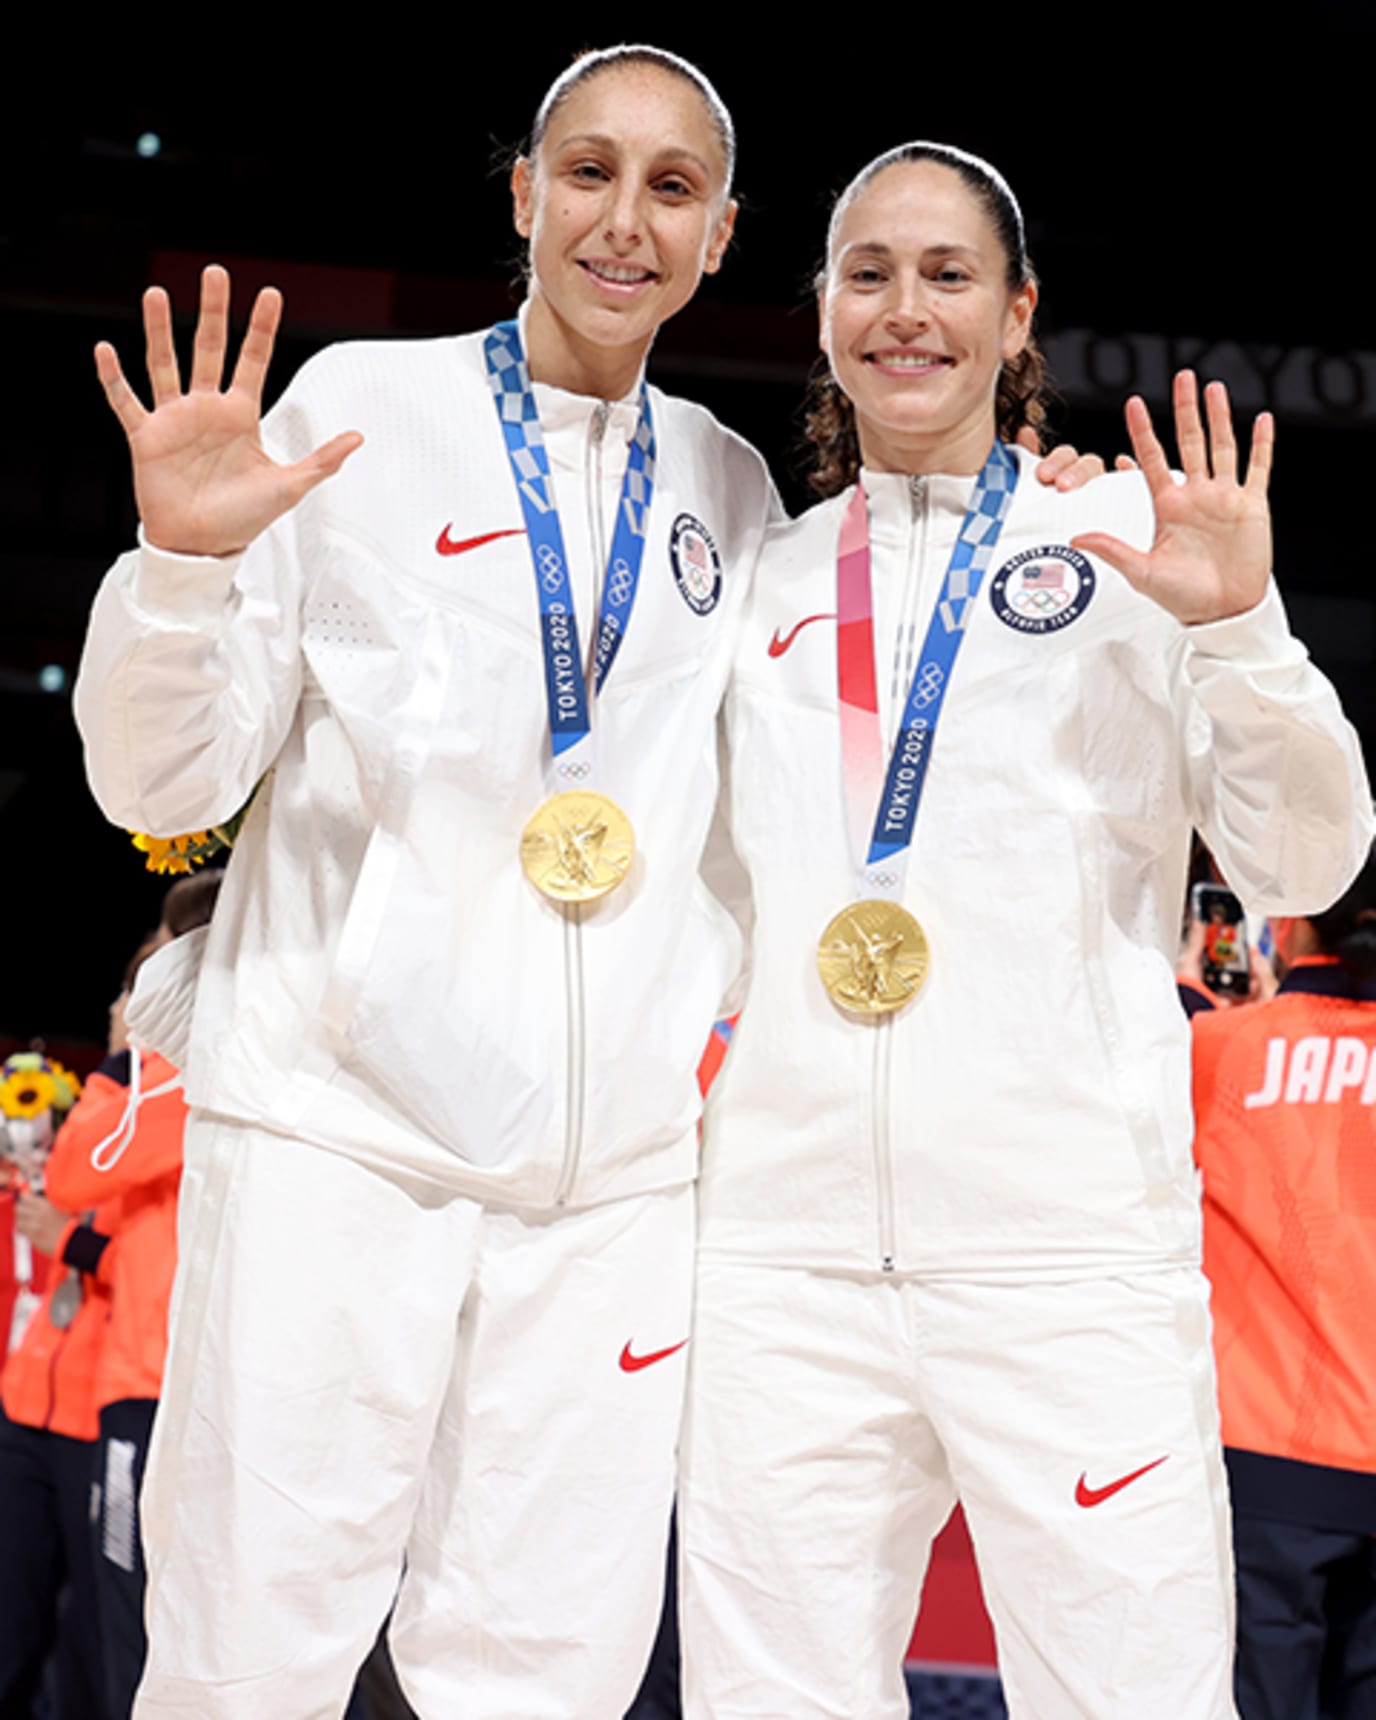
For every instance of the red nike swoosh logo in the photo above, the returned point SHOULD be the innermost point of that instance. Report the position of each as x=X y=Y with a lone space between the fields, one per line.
x=1087 y=1496
x=447 y=546
x=633 y=1364
x=778 y=646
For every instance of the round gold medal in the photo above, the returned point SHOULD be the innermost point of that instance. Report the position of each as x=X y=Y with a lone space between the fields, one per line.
x=873 y=957
x=577 y=846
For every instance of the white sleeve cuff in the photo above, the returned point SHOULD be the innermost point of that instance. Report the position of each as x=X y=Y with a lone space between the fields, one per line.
x=1258 y=638
x=182 y=590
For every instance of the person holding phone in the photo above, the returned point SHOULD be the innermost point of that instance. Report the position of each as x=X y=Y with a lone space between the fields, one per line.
x=1284 y=1099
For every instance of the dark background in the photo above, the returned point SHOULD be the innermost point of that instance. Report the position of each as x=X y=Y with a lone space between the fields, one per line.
x=1187 y=181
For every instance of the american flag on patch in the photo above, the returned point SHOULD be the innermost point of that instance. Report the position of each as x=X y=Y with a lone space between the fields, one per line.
x=695 y=550
x=1044 y=576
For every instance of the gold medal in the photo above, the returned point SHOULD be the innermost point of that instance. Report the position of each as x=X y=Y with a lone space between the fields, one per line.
x=873 y=957
x=577 y=846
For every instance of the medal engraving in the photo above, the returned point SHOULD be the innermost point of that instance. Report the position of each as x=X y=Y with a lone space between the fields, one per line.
x=873 y=957
x=577 y=847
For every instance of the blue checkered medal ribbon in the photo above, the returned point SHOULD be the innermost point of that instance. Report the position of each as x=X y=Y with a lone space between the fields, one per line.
x=912 y=752
x=565 y=684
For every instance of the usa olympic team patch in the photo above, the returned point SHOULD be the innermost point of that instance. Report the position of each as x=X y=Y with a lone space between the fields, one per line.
x=1043 y=590
x=696 y=564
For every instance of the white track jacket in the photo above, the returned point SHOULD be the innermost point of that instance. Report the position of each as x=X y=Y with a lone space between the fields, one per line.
x=1029 y=1112
x=380 y=977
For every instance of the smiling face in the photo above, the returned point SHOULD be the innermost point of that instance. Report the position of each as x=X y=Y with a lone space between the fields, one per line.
x=918 y=318
x=625 y=208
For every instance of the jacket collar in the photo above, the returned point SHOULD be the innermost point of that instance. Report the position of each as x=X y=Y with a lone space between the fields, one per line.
x=561 y=411
x=1325 y=976
x=896 y=500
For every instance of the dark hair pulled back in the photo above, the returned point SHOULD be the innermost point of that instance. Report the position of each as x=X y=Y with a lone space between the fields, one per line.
x=590 y=64
x=1023 y=389
x=1348 y=929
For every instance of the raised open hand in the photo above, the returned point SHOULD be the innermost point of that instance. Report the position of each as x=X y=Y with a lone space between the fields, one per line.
x=203 y=483
x=1211 y=556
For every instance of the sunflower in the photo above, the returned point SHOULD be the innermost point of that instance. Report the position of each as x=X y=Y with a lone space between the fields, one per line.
x=182 y=853
x=27 y=1093
x=67 y=1084
x=178 y=853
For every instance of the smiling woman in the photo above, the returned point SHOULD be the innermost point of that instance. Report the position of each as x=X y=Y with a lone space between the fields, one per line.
x=922 y=308
x=625 y=201
x=437 y=1189
x=949 y=1219
x=993 y=248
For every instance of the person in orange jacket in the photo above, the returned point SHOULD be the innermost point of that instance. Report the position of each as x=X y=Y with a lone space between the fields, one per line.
x=124 y=1147
x=36 y=1093
x=127 y=1156
x=48 y=1426
x=1285 y=1104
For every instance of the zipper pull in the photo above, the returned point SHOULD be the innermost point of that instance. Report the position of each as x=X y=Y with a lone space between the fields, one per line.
x=600 y=414
x=917 y=494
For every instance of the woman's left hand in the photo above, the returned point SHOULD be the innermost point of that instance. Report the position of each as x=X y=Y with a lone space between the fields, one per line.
x=1211 y=557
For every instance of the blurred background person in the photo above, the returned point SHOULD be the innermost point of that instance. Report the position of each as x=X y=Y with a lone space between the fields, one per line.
x=123 y=1151
x=48 y=1423
x=1285 y=1100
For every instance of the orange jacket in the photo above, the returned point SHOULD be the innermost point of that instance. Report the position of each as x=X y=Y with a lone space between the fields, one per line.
x=140 y=1185
x=9 y=1285
x=1285 y=1106
x=50 y=1378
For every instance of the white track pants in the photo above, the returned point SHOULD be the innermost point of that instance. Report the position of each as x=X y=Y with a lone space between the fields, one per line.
x=832 y=1422
x=365 y=1373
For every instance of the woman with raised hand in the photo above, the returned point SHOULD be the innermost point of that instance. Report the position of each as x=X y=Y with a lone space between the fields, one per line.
x=949 y=1234
x=438 y=1219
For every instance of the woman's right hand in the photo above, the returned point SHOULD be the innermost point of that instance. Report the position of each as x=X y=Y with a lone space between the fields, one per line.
x=203 y=484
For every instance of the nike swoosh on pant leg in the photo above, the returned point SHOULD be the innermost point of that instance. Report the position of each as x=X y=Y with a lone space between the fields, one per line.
x=1089 y=1496
x=631 y=1364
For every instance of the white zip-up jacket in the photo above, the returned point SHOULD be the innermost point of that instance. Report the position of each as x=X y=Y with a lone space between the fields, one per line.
x=1028 y=1113
x=380 y=976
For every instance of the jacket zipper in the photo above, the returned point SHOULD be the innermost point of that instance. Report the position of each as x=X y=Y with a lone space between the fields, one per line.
x=883 y=1153
x=575 y=1002
x=881 y=1141
x=575 y=1048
